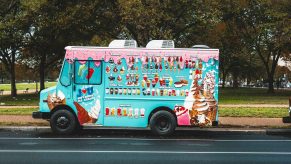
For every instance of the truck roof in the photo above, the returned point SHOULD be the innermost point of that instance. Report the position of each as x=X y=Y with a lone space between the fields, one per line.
x=106 y=53
x=134 y=49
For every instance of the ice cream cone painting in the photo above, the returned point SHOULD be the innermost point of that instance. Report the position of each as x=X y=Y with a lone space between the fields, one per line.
x=200 y=104
x=54 y=99
x=88 y=117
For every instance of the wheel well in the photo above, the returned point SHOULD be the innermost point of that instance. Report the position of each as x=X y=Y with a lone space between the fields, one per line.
x=162 y=108
x=59 y=107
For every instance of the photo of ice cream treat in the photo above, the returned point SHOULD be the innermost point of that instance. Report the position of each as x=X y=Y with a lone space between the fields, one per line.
x=112 y=111
x=129 y=91
x=119 y=79
x=133 y=91
x=156 y=78
x=107 y=111
x=111 y=91
x=200 y=64
x=83 y=115
x=107 y=70
x=130 y=112
x=148 y=91
x=154 y=83
x=136 y=77
x=158 y=92
x=178 y=84
x=145 y=77
x=137 y=91
x=111 y=78
x=95 y=111
x=54 y=99
x=120 y=91
x=148 y=83
x=212 y=109
x=170 y=81
x=142 y=112
x=119 y=112
x=115 y=91
x=182 y=114
x=119 y=61
x=115 y=70
x=136 y=113
x=122 y=69
x=193 y=117
x=153 y=92
x=124 y=112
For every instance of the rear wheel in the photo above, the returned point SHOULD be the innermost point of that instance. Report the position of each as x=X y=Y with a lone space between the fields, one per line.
x=163 y=123
x=63 y=122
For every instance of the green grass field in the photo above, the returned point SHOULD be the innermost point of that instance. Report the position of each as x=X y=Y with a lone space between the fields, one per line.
x=23 y=86
x=252 y=96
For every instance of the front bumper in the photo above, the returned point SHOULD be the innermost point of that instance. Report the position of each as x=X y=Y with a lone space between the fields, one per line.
x=41 y=115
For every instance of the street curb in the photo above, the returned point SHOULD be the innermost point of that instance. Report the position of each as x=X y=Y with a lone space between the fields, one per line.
x=45 y=129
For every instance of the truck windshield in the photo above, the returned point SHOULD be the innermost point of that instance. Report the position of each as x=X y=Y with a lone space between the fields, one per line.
x=65 y=78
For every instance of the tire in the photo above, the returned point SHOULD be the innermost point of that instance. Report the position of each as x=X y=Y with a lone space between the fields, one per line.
x=63 y=122
x=163 y=123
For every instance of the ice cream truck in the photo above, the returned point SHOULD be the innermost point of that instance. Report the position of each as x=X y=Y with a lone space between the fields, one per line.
x=159 y=86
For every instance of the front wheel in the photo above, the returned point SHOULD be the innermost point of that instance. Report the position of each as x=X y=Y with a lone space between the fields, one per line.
x=63 y=122
x=163 y=123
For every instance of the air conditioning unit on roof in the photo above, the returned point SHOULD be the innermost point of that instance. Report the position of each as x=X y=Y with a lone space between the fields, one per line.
x=123 y=44
x=161 y=44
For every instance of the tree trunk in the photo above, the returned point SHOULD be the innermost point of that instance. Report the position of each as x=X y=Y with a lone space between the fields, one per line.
x=223 y=79
x=235 y=80
x=271 y=83
x=12 y=76
x=42 y=72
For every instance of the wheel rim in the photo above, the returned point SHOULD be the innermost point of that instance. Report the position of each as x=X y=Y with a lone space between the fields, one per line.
x=163 y=123
x=63 y=122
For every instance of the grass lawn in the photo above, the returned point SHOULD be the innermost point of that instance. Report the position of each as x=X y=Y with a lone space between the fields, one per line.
x=252 y=96
x=18 y=111
x=23 y=86
x=30 y=99
x=253 y=112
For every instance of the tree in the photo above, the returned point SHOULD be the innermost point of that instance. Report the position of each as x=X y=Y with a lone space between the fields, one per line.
x=185 y=22
x=12 y=28
x=56 y=24
x=265 y=29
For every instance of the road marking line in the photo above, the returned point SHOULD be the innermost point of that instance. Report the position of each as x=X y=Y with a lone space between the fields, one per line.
x=148 y=139
x=140 y=152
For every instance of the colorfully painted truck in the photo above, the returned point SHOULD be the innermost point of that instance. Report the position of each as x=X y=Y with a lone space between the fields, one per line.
x=154 y=87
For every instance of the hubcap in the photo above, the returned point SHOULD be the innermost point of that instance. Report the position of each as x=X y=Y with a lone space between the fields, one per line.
x=163 y=123
x=63 y=122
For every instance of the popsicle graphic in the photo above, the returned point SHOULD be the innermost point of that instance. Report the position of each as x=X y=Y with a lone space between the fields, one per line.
x=81 y=69
x=90 y=73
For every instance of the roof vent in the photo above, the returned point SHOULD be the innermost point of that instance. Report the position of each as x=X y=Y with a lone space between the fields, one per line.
x=123 y=44
x=161 y=44
x=201 y=47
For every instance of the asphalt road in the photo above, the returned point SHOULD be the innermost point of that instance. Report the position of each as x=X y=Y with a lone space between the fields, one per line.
x=138 y=146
